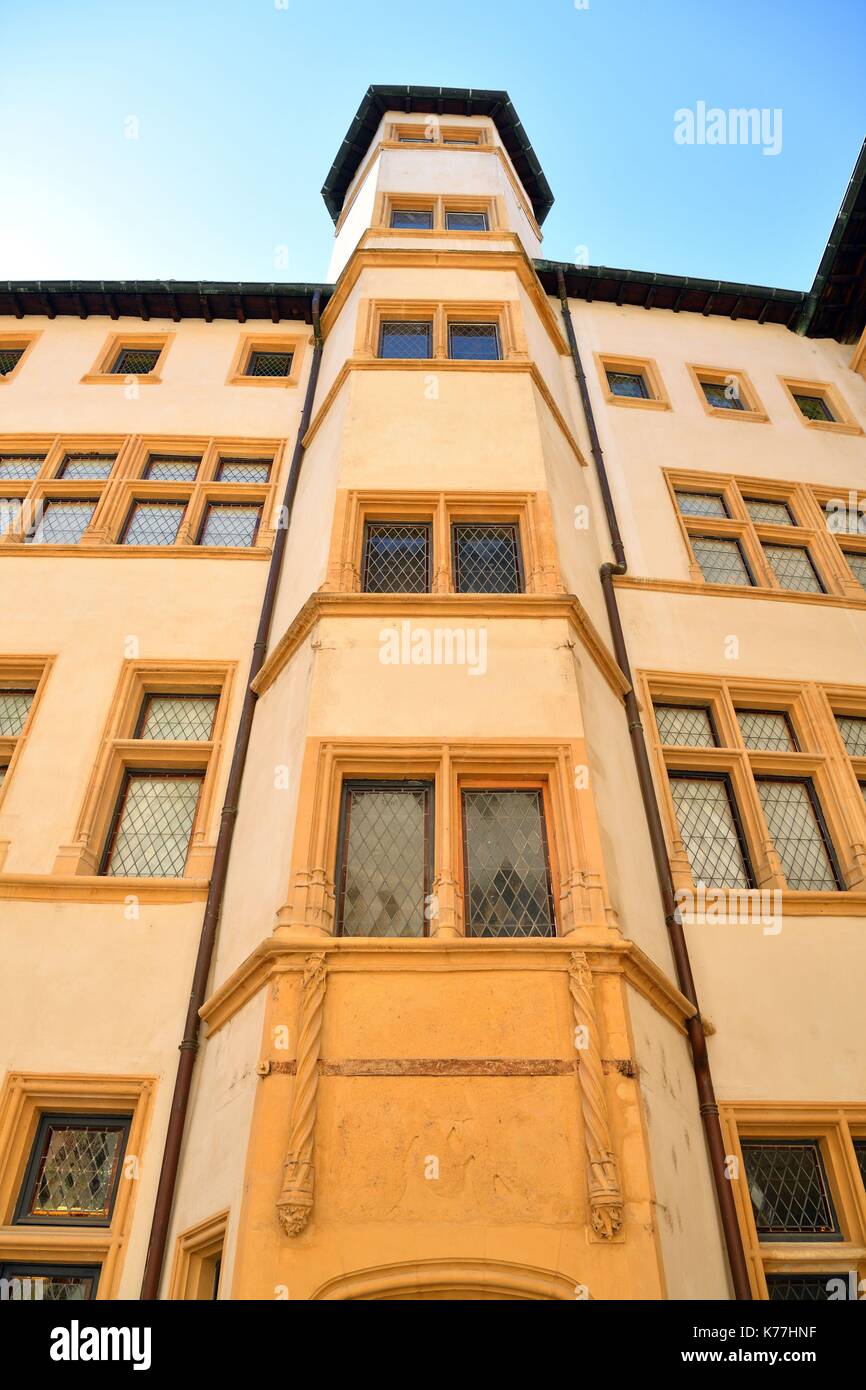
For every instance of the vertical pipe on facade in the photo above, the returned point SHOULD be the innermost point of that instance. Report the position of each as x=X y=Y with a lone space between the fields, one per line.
x=694 y=1027
x=216 y=889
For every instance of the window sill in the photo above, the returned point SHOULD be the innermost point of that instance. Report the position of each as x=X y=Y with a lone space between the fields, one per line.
x=833 y=426
x=142 y=552
x=281 y=382
x=639 y=402
x=757 y=417
x=720 y=902
x=120 y=379
x=753 y=591
x=98 y=888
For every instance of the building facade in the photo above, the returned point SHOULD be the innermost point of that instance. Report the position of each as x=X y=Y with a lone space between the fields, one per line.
x=564 y=581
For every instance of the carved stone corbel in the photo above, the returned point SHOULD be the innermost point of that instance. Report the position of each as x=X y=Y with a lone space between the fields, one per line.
x=605 y=1193
x=295 y=1202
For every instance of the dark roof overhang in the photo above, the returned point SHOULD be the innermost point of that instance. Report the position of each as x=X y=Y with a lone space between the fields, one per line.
x=437 y=101
x=835 y=306
x=161 y=299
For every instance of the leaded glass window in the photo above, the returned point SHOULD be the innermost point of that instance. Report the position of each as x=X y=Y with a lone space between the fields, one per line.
x=796 y=827
x=9 y=359
x=241 y=470
x=4 y=768
x=456 y=221
x=686 y=726
x=630 y=384
x=74 y=1169
x=152 y=825
x=767 y=729
x=508 y=889
x=789 y=1190
x=153 y=523
x=10 y=510
x=803 y=1288
x=701 y=503
x=814 y=407
x=486 y=558
x=20 y=466
x=857 y=564
x=721 y=560
x=48 y=1283
x=412 y=220
x=273 y=364
x=722 y=396
x=228 y=523
x=471 y=342
x=89 y=467
x=14 y=709
x=396 y=557
x=176 y=718
x=852 y=727
x=709 y=827
x=135 y=361
x=401 y=339
x=172 y=468
x=385 y=858
x=860 y=1151
x=62 y=522
x=793 y=568
x=765 y=511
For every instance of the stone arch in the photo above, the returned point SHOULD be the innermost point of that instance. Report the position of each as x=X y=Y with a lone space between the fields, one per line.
x=455 y=1279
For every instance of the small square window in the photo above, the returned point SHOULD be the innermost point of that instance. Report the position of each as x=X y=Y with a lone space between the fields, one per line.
x=412 y=220
x=723 y=395
x=51 y=1283
x=153 y=523
x=508 y=890
x=272 y=364
x=152 y=825
x=767 y=512
x=241 y=470
x=721 y=560
x=789 y=1190
x=230 y=524
x=860 y=1151
x=402 y=339
x=87 y=467
x=15 y=467
x=135 y=361
x=9 y=359
x=176 y=718
x=814 y=407
x=701 y=503
x=686 y=726
x=74 y=1170
x=630 y=384
x=385 y=858
x=62 y=522
x=14 y=709
x=172 y=468
x=767 y=730
x=792 y=566
x=471 y=342
x=486 y=558
x=457 y=221
x=396 y=557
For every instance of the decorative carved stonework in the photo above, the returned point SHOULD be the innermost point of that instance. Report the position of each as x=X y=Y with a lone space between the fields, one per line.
x=295 y=1202
x=605 y=1194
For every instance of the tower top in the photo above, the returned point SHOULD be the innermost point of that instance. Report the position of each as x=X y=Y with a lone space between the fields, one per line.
x=437 y=101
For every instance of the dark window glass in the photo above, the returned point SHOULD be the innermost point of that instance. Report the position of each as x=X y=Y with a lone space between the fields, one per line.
x=456 y=221
x=788 y=1188
x=860 y=1151
x=74 y=1170
x=227 y=523
x=471 y=342
x=385 y=858
x=721 y=560
x=814 y=407
x=9 y=359
x=172 y=468
x=792 y=566
x=709 y=825
x=14 y=709
x=152 y=825
x=153 y=523
x=686 y=726
x=62 y=522
x=797 y=829
x=767 y=729
x=722 y=396
x=269 y=364
x=176 y=718
x=400 y=338
x=33 y=1283
x=628 y=384
x=486 y=558
x=135 y=361
x=412 y=220
x=243 y=470
x=396 y=557
x=806 y=1288
x=508 y=888
x=86 y=466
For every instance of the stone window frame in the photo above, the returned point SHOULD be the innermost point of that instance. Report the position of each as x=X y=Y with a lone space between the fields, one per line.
x=248 y=343
x=25 y=673
x=438 y=204
x=24 y=1099
x=195 y=1252
x=810 y=531
x=26 y=342
x=647 y=367
x=442 y=135
x=529 y=511
x=753 y=410
x=505 y=314
x=100 y=374
x=843 y=421
x=834 y=1127
x=577 y=875
x=820 y=758
x=120 y=751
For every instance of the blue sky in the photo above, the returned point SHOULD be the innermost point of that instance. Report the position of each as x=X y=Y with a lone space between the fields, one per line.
x=241 y=106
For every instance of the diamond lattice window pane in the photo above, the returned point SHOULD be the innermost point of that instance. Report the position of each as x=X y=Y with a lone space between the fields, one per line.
x=9 y=359
x=705 y=814
x=14 y=708
x=53 y=1283
x=860 y=1151
x=701 y=503
x=396 y=558
x=62 y=523
x=631 y=384
x=273 y=364
x=685 y=726
x=803 y=1288
x=508 y=891
x=87 y=466
x=766 y=729
x=788 y=1187
x=411 y=220
x=382 y=879
x=798 y=834
x=16 y=466
x=399 y=339
x=244 y=470
x=766 y=512
x=466 y=221
x=226 y=524
x=173 y=718
x=77 y=1170
x=853 y=730
x=721 y=560
x=172 y=468
x=857 y=564
x=135 y=361
x=793 y=568
x=814 y=407
x=4 y=768
x=722 y=396
x=10 y=510
x=154 y=523
x=486 y=559
x=473 y=342
x=154 y=825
